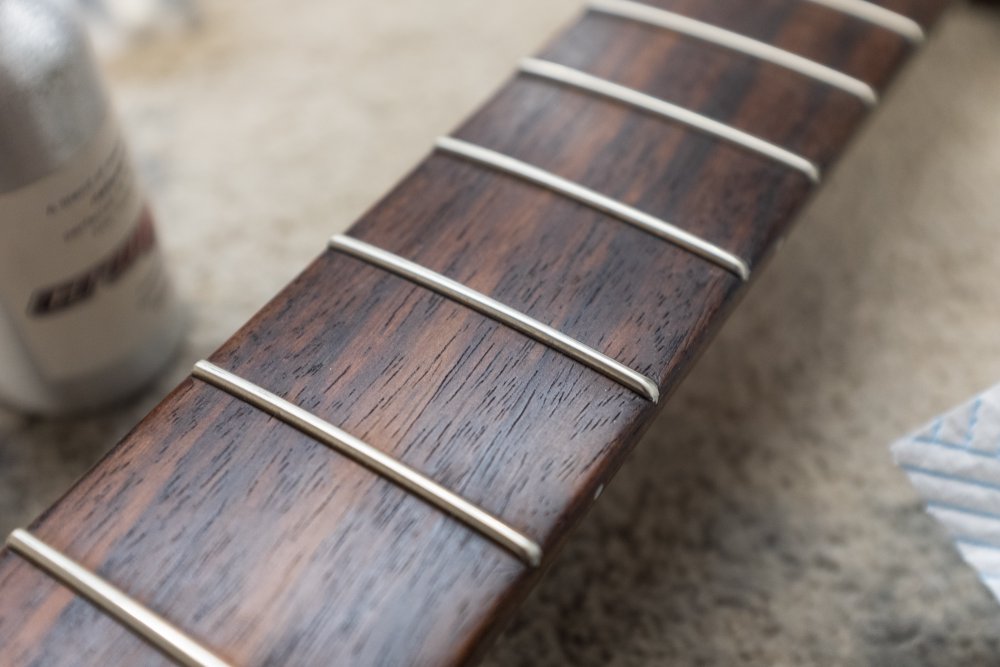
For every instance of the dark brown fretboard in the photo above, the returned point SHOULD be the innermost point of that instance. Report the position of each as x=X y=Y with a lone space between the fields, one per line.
x=268 y=548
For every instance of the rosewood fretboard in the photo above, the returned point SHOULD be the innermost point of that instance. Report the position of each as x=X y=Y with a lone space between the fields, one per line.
x=270 y=549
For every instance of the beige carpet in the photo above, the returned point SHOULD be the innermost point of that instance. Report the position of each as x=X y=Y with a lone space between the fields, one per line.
x=762 y=521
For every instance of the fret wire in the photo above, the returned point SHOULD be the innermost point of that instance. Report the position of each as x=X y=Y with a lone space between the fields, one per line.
x=878 y=15
x=164 y=636
x=593 y=84
x=381 y=463
x=661 y=18
x=515 y=319
x=632 y=216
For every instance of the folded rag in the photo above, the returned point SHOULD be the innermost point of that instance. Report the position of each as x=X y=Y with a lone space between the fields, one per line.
x=954 y=463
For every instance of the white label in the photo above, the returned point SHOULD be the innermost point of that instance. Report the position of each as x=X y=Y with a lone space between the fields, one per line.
x=81 y=279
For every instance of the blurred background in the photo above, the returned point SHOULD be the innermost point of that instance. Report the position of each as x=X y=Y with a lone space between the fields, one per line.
x=762 y=520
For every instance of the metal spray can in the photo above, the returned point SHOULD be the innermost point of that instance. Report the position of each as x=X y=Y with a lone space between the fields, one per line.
x=87 y=314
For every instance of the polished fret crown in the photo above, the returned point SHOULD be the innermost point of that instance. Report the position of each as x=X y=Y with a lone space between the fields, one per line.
x=632 y=216
x=575 y=78
x=492 y=308
x=340 y=441
x=877 y=15
x=661 y=18
x=169 y=640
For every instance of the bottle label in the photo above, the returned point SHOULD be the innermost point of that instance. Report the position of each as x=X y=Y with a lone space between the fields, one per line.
x=81 y=279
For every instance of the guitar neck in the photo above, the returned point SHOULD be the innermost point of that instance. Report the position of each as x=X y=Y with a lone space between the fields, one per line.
x=617 y=191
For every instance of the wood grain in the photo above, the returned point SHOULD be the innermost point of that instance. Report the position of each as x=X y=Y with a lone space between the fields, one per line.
x=273 y=550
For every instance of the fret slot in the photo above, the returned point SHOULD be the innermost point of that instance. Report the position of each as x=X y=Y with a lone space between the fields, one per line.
x=171 y=641
x=661 y=18
x=569 y=76
x=517 y=320
x=644 y=221
x=382 y=464
x=895 y=22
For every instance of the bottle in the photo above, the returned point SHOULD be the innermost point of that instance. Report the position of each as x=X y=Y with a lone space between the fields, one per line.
x=87 y=313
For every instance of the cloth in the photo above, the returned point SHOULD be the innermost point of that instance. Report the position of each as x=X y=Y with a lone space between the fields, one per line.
x=954 y=462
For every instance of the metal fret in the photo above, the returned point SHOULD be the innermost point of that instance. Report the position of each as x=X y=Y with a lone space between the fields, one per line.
x=877 y=15
x=160 y=633
x=543 y=333
x=361 y=452
x=632 y=216
x=598 y=86
x=661 y=18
